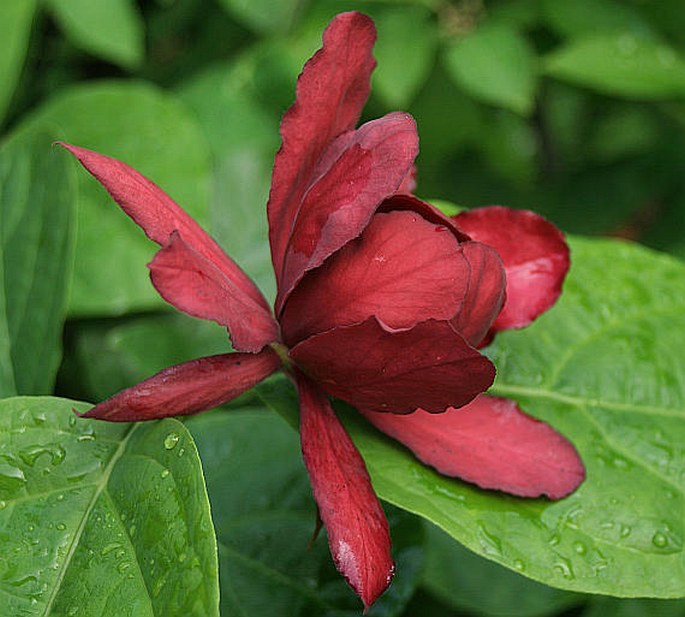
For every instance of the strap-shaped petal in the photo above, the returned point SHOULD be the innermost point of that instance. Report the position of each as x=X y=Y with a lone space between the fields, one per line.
x=355 y=174
x=429 y=366
x=491 y=443
x=159 y=216
x=402 y=270
x=188 y=388
x=358 y=533
x=194 y=285
x=331 y=92
x=534 y=254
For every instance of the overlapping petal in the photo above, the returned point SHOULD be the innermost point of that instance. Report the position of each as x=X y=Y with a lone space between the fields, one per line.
x=331 y=92
x=491 y=443
x=485 y=294
x=377 y=275
x=535 y=256
x=357 y=529
x=371 y=367
x=159 y=216
x=194 y=285
x=188 y=388
x=356 y=173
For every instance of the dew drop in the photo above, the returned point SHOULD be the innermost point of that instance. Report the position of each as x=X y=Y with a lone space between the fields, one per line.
x=182 y=557
x=659 y=540
x=60 y=526
x=164 y=473
x=181 y=452
x=3 y=505
x=72 y=611
x=625 y=531
x=563 y=567
x=123 y=566
x=519 y=565
x=112 y=546
x=72 y=422
x=171 y=441
x=554 y=539
x=132 y=530
x=580 y=548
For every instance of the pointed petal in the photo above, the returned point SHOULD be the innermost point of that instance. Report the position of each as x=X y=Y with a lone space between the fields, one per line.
x=402 y=270
x=194 y=285
x=491 y=443
x=355 y=174
x=535 y=256
x=188 y=388
x=331 y=92
x=430 y=366
x=159 y=215
x=485 y=294
x=358 y=533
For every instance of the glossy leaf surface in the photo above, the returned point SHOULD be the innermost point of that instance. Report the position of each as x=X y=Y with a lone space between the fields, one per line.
x=99 y=519
x=605 y=368
x=37 y=194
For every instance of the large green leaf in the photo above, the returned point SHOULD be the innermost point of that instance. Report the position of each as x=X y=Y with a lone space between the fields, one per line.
x=265 y=16
x=403 y=68
x=264 y=517
x=620 y=65
x=112 y=30
x=151 y=131
x=496 y=65
x=37 y=211
x=100 y=519
x=606 y=368
x=15 y=26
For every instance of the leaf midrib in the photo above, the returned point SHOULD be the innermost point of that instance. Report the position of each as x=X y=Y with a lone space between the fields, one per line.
x=99 y=487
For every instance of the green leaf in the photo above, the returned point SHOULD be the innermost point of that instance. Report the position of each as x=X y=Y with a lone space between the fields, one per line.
x=112 y=30
x=583 y=17
x=265 y=16
x=496 y=65
x=16 y=17
x=148 y=129
x=606 y=368
x=265 y=516
x=244 y=138
x=101 y=519
x=110 y=356
x=403 y=68
x=621 y=65
x=37 y=211
x=465 y=581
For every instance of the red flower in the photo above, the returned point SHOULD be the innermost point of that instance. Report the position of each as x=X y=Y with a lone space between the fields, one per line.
x=382 y=301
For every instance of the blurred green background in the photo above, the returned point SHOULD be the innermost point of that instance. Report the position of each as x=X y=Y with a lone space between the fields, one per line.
x=572 y=108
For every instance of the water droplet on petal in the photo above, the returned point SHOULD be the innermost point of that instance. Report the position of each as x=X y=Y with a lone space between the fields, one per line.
x=171 y=441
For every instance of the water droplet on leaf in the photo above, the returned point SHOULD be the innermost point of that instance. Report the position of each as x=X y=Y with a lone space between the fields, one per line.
x=171 y=441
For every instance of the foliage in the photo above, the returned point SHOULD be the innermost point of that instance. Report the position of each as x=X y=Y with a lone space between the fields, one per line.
x=573 y=109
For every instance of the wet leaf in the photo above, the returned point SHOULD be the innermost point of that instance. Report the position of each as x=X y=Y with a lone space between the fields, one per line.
x=605 y=367
x=37 y=212
x=100 y=519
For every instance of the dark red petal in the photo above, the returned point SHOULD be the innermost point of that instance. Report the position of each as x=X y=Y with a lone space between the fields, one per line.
x=485 y=293
x=331 y=93
x=159 y=216
x=355 y=174
x=188 y=388
x=402 y=270
x=357 y=528
x=534 y=253
x=491 y=443
x=430 y=366
x=194 y=285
